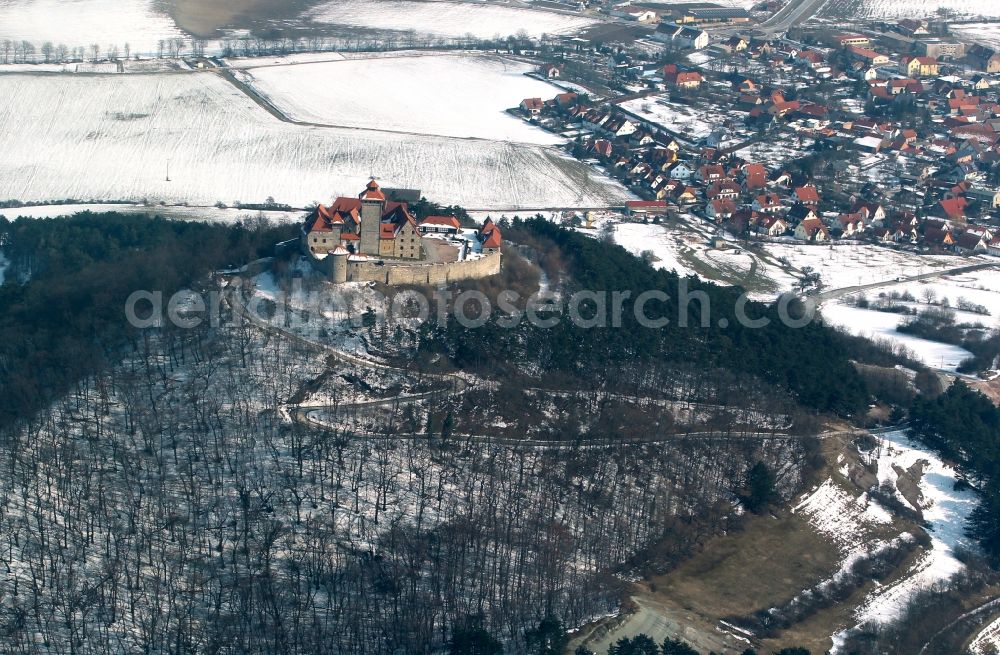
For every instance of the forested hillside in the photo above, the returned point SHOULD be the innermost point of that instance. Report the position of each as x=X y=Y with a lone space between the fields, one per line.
x=62 y=307
x=172 y=497
x=812 y=362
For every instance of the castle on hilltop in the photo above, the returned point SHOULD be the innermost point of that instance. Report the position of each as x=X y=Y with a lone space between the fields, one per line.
x=372 y=239
x=367 y=225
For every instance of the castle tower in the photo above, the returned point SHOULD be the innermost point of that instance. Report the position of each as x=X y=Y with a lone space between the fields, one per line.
x=372 y=208
x=338 y=265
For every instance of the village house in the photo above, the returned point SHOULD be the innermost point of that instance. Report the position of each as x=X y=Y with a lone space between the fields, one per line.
x=754 y=177
x=968 y=243
x=683 y=80
x=808 y=196
x=772 y=226
x=552 y=71
x=845 y=40
x=723 y=189
x=720 y=209
x=918 y=66
x=868 y=56
x=767 y=203
x=681 y=36
x=532 y=106
x=812 y=230
x=851 y=224
x=800 y=213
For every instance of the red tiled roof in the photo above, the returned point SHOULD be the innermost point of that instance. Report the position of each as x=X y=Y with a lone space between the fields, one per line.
x=372 y=192
x=447 y=221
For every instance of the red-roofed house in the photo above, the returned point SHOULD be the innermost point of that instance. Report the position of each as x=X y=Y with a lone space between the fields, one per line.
x=532 y=106
x=440 y=225
x=754 y=177
x=954 y=208
x=683 y=80
x=808 y=196
x=812 y=230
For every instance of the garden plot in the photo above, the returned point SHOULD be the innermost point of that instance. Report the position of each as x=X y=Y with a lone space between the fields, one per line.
x=114 y=138
x=447 y=95
x=84 y=23
x=446 y=19
x=684 y=121
x=857 y=9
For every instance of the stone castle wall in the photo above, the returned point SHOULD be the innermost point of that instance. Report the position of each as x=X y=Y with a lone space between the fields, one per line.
x=415 y=274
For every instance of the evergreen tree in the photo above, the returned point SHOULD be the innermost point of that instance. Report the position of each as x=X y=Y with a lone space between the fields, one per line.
x=470 y=638
x=548 y=638
x=760 y=490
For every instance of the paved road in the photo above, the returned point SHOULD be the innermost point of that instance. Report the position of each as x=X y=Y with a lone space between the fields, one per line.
x=795 y=12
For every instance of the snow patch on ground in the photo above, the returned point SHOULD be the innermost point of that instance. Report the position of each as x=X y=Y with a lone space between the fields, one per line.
x=944 y=509
x=987 y=641
x=909 y=8
x=639 y=237
x=841 y=517
x=882 y=325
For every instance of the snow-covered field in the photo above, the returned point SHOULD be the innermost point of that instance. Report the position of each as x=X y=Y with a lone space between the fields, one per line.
x=848 y=265
x=943 y=508
x=113 y=138
x=985 y=33
x=83 y=23
x=909 y=8
x=978 y=287
x=882 y=326
x=665 y=245
x=448 y=95
x=177 y=212
x=446 y=19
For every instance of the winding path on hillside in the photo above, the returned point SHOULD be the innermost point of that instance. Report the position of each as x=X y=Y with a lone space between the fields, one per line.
x=455 y=385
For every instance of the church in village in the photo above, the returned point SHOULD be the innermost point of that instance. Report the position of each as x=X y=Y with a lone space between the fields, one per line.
x=367 y=225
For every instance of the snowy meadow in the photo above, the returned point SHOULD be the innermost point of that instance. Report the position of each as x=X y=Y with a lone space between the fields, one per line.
x=412 y=98
x=118 y=138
